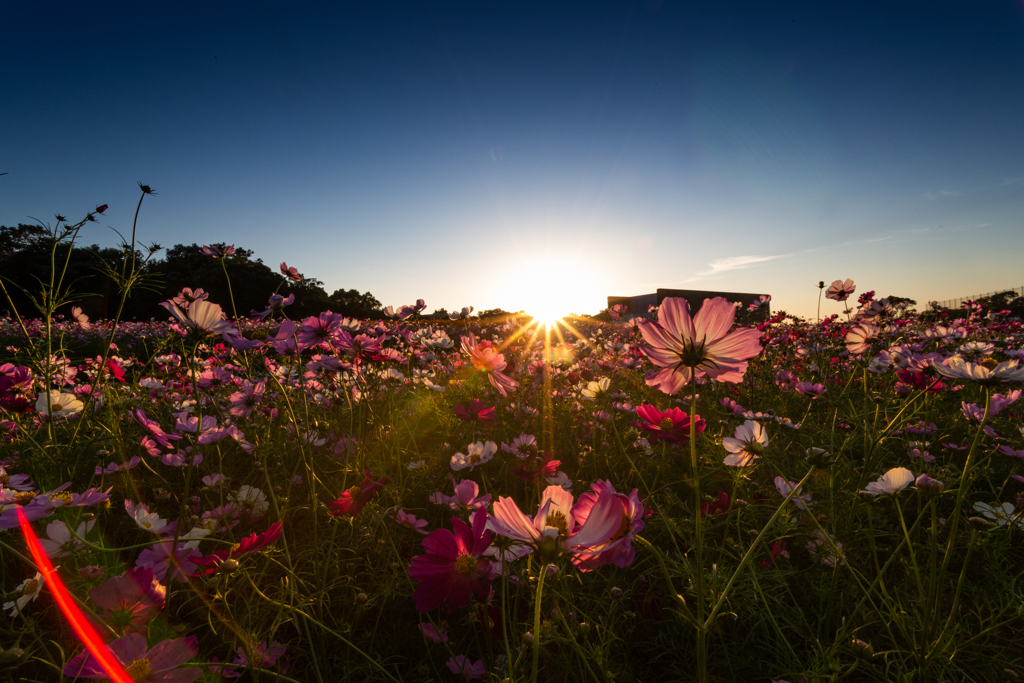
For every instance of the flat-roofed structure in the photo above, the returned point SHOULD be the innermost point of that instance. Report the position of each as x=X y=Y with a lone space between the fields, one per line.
x=637 y=306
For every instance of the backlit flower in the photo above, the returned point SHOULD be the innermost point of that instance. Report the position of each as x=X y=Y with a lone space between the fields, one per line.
x=685 y=347
x=745 y=445
x=157 y=665
x=672 y=425
x=351 y=502
x=896 y=479
x=453 y=569
x=56 y=404
x=840 y=290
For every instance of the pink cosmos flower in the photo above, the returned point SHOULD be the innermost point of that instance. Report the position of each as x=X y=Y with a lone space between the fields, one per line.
x=859 y=337
x=801 y=500
x=840 y=291
x=218 y=250
x=467 y=496
x=433 y=634
x=128 y=602
x=672 y=425
x=352 y=501
x=812 y=389
x=186 y=296
x=685 y=347
x=81 y=318
x=487 y=359
x=408 y=520
x=620 y=551
x=553 y=530
x=475 y=411
x=453 y=569
x=290 y=273
x=460 y=664
x=156 y=665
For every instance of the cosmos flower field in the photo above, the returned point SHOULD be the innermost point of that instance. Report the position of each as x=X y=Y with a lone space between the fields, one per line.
x=679 y=498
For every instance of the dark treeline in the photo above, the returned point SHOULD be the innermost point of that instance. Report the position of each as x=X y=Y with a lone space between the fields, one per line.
x=25 y=264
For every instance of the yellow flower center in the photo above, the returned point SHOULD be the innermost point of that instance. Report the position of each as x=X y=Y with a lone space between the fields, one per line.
x=623 y=528
x=62 y=496
x=138 y=669
x=474 y=458
x=465 y=564
x=24 y=495
x=355 y=491
x=235 y=547
x=30 y=587
x=557 y=520
x=5 y=479
x=666 y=423
x=989 y=363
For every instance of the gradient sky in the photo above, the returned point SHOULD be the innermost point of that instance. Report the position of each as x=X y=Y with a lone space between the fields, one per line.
x=488 y=153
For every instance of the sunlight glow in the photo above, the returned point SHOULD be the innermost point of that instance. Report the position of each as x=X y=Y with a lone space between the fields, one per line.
x=550 y=288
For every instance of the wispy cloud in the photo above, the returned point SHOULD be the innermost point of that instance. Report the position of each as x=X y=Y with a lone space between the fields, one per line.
x=724 y=265
x=932 y=196
x=1013 y=181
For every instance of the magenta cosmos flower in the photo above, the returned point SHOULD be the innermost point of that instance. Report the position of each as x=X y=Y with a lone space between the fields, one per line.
x=672 y=425
x=158 y=665
x=685 y=346
x=453 y=569
x=128 y=602
x=352 y=501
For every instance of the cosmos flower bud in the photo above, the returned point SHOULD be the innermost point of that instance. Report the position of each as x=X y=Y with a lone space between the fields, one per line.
x=228 y=566
x=862 y=649
x=362 y=598
x=616 y=592
x=980 y=523
x=101 y=208
x=11 y=656
x=929 y=486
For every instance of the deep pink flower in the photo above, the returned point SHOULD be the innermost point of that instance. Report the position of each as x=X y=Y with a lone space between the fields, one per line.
x=672 y=425
x=620 y=551
x=250 y=544
x=718 y=507
x=290 y=273
x=453 y=569
x=156 y=665
x=475 y=411
x=351 y=502
x=685 y=346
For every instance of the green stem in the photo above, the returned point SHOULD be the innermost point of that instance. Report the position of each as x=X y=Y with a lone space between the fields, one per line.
x=541 y=573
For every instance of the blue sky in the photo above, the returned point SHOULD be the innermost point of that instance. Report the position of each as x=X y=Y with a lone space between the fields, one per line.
x=497 y=153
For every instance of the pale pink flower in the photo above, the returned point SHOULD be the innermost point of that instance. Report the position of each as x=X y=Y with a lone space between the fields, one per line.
x=290 y=273
x=81 y=318
x=553 y=530
x=476 y=454
x=745 y=445
x=405 y=519
x=896 y=479
x=685 y=346
x=203 y=318
x=840 y=291
x=859 y=336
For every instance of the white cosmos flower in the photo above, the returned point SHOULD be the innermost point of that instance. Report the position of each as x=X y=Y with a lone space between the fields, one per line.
x=1000 y=514
x=477 y=454
x=892 y=481
x=596 y=388
x=745 y=444
x=957 y=368
x=29 y=589
x=56 y=404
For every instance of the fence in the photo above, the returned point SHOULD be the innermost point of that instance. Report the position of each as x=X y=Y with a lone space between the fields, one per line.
x=955 y=303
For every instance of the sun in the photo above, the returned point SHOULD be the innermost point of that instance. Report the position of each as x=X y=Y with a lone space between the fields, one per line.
x=550 y=288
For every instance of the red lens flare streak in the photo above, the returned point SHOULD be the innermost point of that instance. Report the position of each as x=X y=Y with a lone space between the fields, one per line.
x=67 y=605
